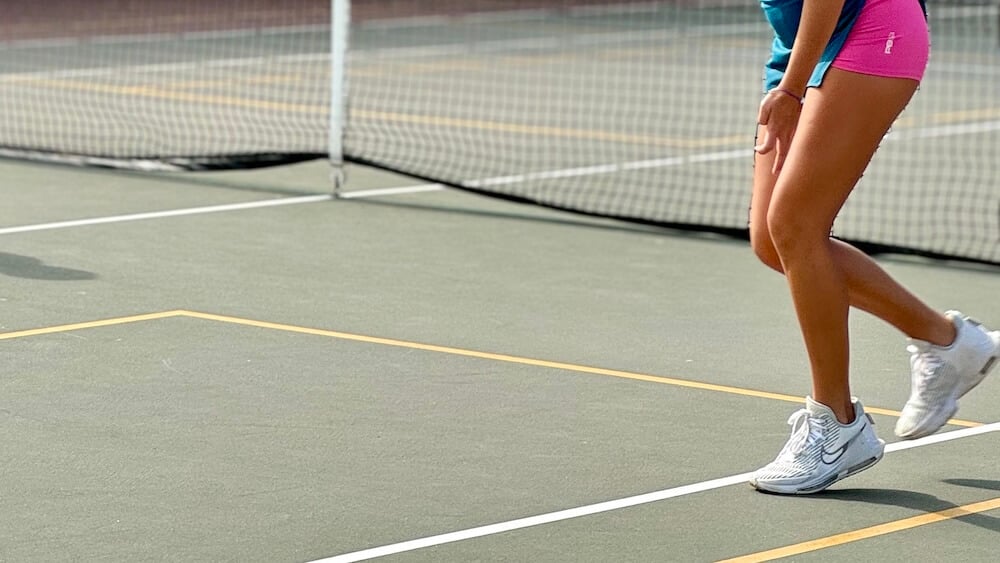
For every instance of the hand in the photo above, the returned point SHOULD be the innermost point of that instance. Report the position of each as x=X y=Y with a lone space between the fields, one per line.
x=779 y=111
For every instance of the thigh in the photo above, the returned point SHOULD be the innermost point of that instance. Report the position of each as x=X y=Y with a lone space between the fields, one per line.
x=841 y=126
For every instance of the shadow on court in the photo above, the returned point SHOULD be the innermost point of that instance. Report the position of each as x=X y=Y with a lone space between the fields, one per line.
x=915 y=500
x=29 y=267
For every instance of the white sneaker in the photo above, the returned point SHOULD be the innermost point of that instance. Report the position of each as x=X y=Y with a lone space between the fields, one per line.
x=941 y=375
x=820 y=451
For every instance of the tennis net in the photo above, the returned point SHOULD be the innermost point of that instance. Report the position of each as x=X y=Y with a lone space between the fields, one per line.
x=185 y=84
x=643 y=111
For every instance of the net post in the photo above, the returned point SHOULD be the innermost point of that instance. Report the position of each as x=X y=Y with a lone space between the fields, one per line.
x=340 y=25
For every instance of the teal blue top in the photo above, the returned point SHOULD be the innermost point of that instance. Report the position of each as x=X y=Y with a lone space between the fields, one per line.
x=784 y=16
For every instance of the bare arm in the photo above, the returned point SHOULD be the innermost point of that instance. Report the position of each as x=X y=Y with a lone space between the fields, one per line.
x=779 y=111
x=819 y=18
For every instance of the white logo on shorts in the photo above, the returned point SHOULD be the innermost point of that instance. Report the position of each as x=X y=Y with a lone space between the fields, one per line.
x=888 y=42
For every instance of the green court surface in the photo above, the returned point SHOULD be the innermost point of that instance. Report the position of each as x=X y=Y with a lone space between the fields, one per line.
x=235 y=367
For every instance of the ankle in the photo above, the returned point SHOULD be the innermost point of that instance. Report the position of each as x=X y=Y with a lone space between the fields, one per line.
x=845 y=414
x=945 y=333
x=842 y=410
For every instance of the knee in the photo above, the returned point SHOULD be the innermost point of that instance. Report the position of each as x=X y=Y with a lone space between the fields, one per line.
x=791 y=235
x=763 y=246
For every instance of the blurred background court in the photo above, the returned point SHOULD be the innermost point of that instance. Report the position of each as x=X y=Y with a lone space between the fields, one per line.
x=532 y=295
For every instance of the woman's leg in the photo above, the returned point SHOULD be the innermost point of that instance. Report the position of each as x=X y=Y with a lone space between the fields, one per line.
x=964 y=351
x=869 y=287
x=841 y=126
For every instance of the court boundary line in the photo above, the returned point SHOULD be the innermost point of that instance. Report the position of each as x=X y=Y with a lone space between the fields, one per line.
x=390 y=23
x=160 y=37
x=936 y=131
x=403 y=190
x=974 y=429
x=607 y=506
x=56 y=329
x=924 y=132
x=450 y=350
x=954 y=513
x=91 y=72
x=164 y=214
x=534 y=362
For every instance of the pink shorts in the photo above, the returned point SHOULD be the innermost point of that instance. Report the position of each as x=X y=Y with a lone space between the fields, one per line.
x=890 y=38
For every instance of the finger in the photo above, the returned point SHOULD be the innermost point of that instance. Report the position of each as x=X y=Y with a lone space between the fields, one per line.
x=779 y=156
x=767 y=143
x=763 y=114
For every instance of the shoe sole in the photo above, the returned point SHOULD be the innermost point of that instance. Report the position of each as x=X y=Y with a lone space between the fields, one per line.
x=825 y=483
x=939 y=419
x=932 y=424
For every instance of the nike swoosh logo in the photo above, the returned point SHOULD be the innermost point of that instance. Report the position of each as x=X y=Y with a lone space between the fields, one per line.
x=830 y=458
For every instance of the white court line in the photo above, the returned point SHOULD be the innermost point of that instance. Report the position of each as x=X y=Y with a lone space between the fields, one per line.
x=953 y=12
x=955 y=68
x=501 y=45
x=919 y=133
x=392 y=191
x=928 y=132
x=958 y=129
x=164 y=67
x=482 y=47
x=392 y=53
x=923 y=132
x=497 y=181
x=561 y=515
x=559 y=174
x=619 y=9
x=556 y=43
x=161 y=214
x=137 y=38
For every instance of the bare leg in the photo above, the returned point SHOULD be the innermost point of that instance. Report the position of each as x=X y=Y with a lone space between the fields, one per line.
x=840 y=128
x=870 y=288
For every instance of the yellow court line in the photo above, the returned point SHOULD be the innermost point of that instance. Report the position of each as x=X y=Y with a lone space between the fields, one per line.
x=453 y=122
x=90 y=324
x=866 y=533
x=124 y=23
x=966 y=115
x=392 y=117
x=396 y=117
x=444 y=350
x=532 y=362
x=177 y=95
x=254 y=79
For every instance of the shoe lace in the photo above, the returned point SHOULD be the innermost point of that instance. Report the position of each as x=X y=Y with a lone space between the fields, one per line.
x=806 y=431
